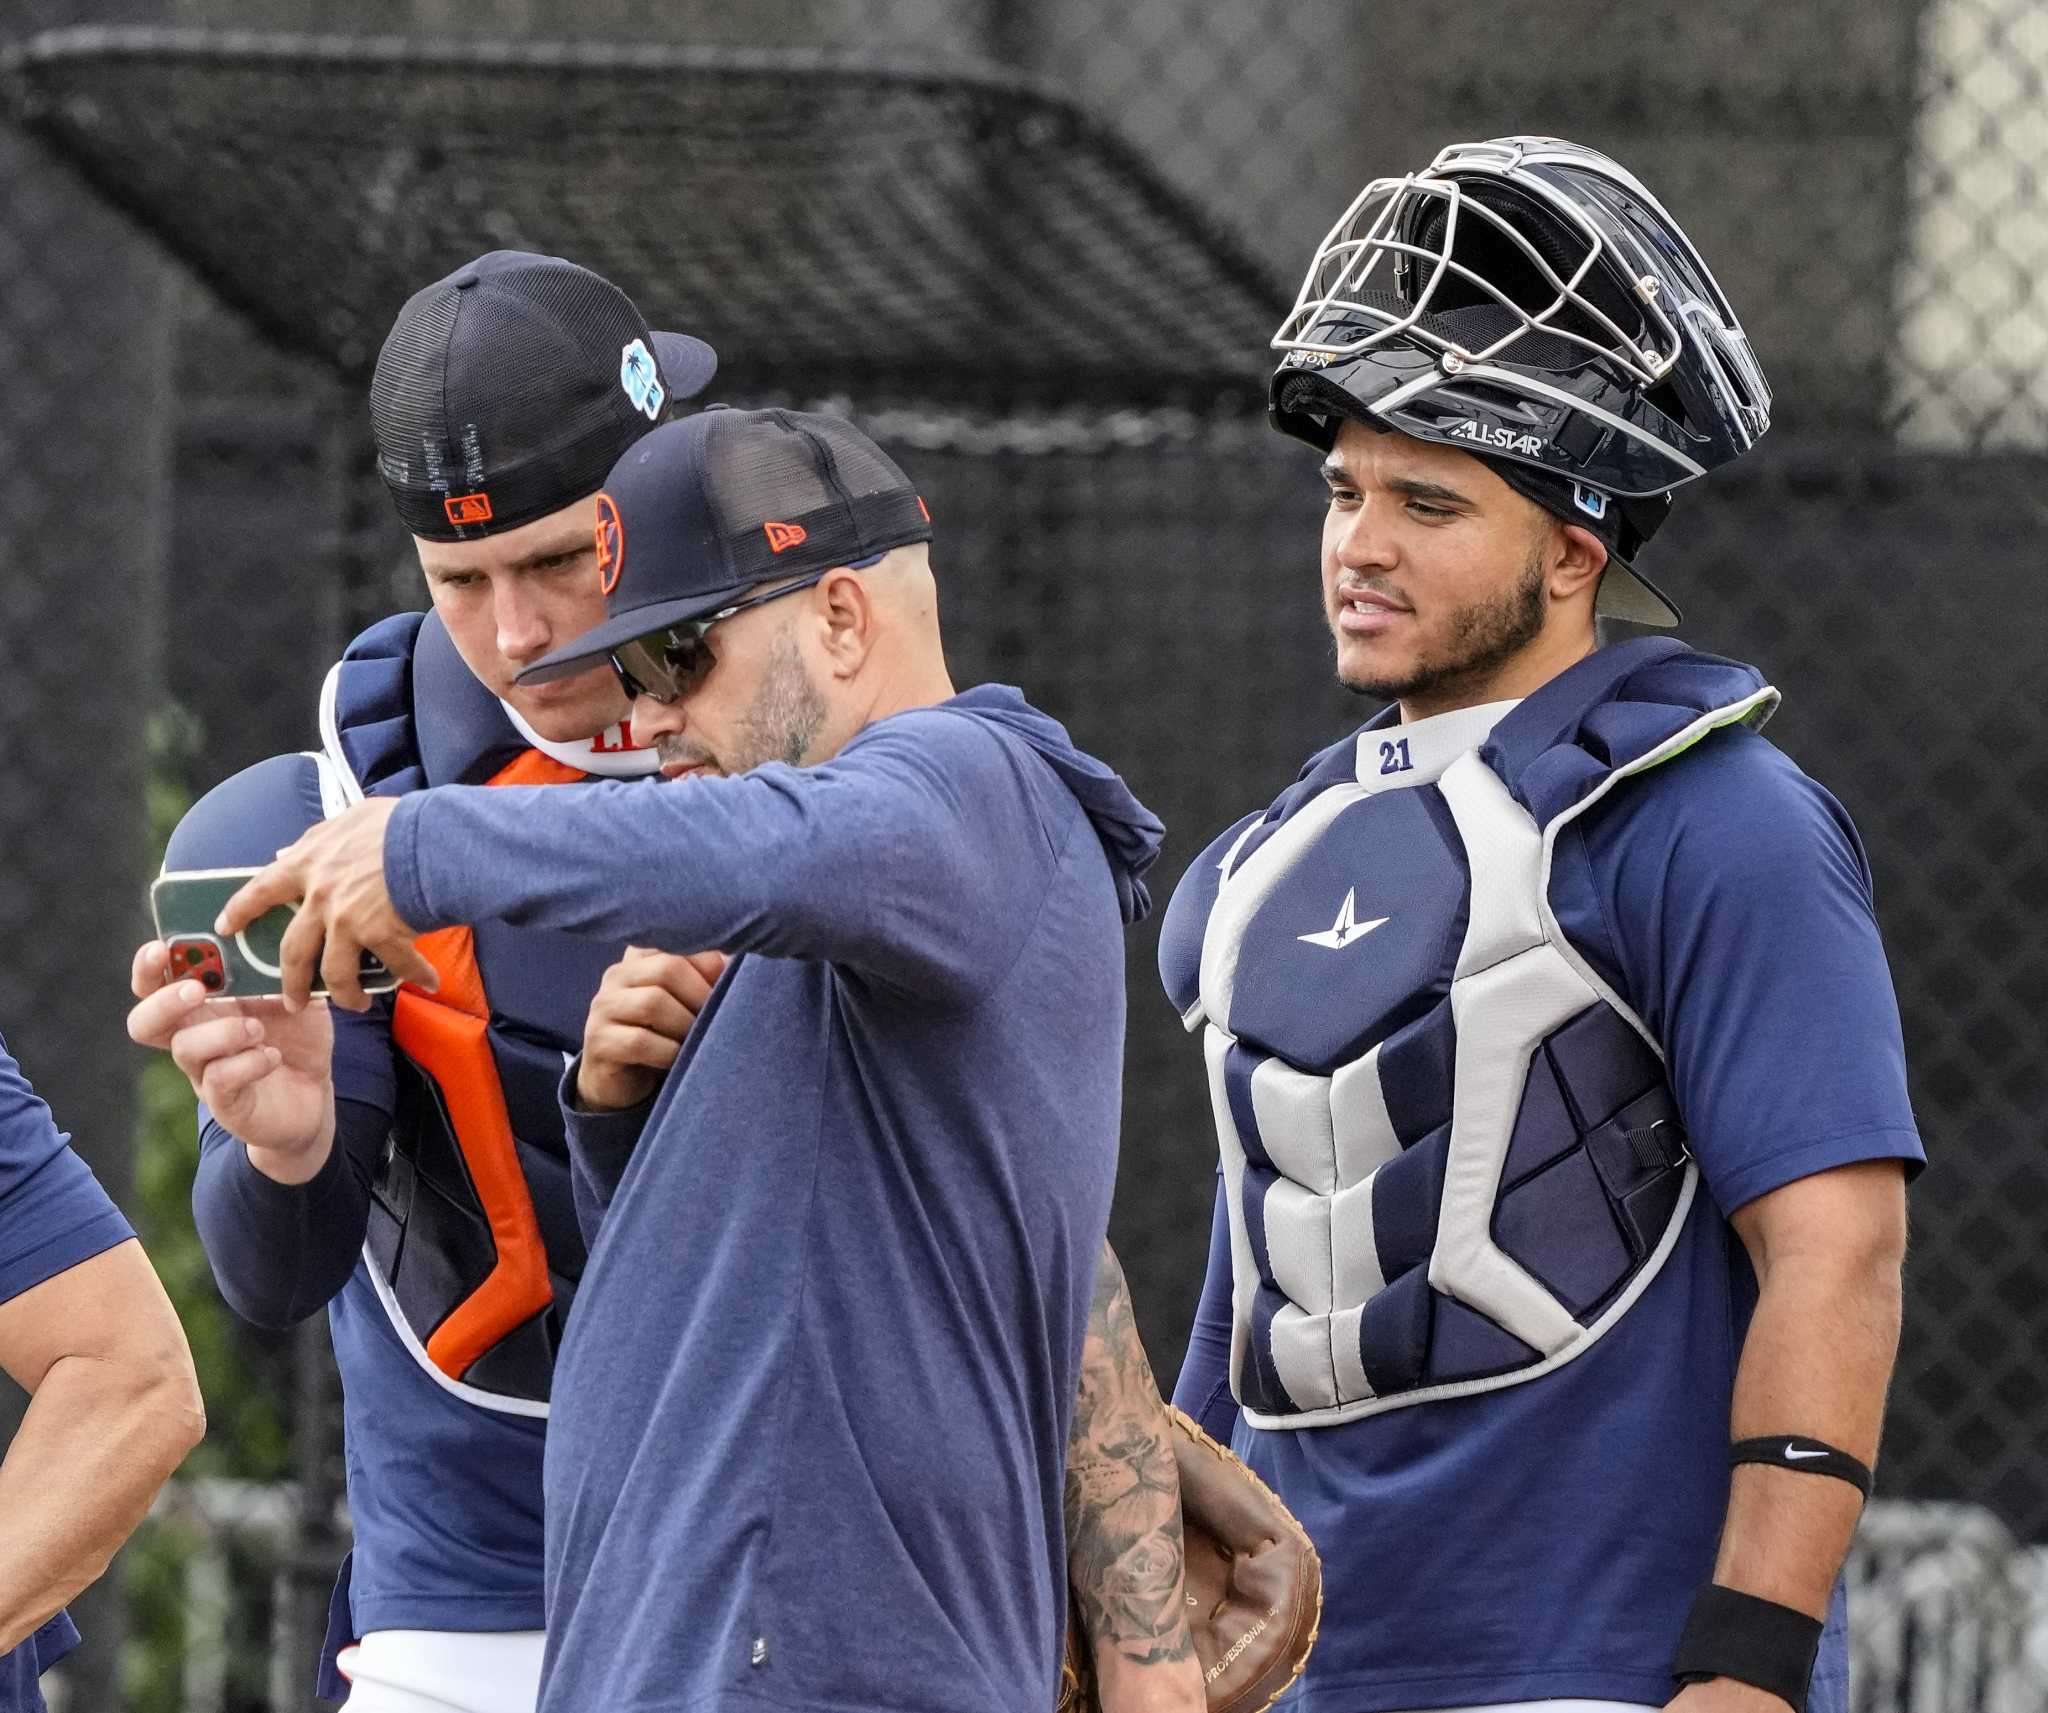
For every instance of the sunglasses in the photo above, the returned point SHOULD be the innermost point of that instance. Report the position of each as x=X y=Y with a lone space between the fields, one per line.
x=668 y=664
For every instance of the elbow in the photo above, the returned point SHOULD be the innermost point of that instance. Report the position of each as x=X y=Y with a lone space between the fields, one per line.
x=166 y=1399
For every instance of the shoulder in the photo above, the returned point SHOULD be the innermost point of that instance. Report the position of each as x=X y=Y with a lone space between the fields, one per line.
x=954 y=736
x=961 y=761
x=1732 y=810
x=53 y=1213
x=28 y=1134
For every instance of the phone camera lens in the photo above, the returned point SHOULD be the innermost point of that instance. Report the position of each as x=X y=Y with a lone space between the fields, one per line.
x=211 y=980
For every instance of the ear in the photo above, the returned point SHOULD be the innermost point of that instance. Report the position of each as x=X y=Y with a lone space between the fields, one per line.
x=844 y=606
x=1578 y=557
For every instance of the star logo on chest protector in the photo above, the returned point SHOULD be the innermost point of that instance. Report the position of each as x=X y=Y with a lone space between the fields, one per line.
x=1346 y=928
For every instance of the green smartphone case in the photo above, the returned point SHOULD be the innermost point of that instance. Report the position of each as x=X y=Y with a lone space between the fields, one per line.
x=232 y=966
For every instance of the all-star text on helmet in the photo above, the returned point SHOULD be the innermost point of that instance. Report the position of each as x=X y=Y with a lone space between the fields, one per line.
x=1527 y=300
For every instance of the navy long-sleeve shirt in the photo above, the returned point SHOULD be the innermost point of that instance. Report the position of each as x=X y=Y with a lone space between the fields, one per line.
x=811 y=1415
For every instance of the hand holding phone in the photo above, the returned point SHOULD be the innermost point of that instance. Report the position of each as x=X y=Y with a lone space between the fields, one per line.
x=231 y=966
x=266 y=1073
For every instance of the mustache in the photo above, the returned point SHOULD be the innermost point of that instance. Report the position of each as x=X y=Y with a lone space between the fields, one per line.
x=671 y=748
x=1348 y=586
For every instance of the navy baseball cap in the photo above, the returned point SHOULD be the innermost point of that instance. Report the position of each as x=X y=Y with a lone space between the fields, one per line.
x=704 y=509
x=507 y=390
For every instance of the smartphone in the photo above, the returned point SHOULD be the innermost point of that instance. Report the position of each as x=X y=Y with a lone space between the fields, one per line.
x=231 y=966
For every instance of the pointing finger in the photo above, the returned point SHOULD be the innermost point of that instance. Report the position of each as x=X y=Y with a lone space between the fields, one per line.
x=277 y=884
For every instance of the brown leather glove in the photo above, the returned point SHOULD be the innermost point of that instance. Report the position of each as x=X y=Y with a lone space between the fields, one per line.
x=1254 y=1583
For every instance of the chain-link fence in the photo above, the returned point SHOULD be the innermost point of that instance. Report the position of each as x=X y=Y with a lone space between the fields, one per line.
x=1038 y=244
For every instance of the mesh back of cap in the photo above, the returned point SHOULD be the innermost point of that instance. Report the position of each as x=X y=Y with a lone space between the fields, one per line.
x=803 y=472
x=508 y=388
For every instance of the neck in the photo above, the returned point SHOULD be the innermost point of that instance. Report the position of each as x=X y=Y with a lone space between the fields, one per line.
x=911 y=685
x=1521 y=674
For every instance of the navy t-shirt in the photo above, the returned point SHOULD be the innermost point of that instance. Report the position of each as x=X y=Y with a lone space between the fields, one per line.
x=1546 y=1540
x=53 y=1215
x=812 y=1410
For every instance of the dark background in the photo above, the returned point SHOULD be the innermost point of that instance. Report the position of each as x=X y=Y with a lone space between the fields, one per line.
x=189 y=529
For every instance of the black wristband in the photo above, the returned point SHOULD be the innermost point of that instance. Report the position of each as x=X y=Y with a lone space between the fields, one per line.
x=1731 y=1634
x=1812 y=1456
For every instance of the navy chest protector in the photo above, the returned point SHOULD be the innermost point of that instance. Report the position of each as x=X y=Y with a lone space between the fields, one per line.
x=1450 y=1154
x=473 y=1244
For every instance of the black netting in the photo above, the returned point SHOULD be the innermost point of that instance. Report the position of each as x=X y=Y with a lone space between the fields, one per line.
x=1037 y=249
x=966 y=234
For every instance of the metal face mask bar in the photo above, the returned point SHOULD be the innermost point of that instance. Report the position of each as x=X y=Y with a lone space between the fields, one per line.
x=1345 y=281
x=669 y=663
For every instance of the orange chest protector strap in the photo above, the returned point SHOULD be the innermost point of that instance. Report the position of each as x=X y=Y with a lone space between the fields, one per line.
x=447 y=1035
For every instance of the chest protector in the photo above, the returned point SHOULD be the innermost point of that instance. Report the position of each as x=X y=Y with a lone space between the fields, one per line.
x=473 y=1243
x=1450 y=1154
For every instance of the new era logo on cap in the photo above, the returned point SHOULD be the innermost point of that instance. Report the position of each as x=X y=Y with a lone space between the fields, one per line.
x=465 y=509
x=783 y=536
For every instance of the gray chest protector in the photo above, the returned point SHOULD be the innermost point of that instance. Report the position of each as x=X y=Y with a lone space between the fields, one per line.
x=1450 y=1154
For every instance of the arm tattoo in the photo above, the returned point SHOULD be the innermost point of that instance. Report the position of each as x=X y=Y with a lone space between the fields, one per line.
x=1124 y=1546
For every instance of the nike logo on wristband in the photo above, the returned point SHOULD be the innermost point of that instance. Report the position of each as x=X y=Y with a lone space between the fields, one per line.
x=1793 y=1452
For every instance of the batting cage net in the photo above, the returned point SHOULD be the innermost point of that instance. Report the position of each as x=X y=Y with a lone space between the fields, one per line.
x=1037 y=246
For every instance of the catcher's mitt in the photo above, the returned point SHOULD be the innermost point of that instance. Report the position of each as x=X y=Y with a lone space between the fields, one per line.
x=1254 y=1582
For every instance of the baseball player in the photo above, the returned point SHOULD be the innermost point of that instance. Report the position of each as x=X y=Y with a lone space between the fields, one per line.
x=1554 y=1059
x=87 y=1332
x=407 y=1170
x=813 y=1406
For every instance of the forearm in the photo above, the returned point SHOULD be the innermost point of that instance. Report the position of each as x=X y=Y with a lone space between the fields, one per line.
x=99 y=1439
x=1816 y=1363
x=1124 y=1545
x=1203 y=1390
x=863 y=861
x=280 y=1251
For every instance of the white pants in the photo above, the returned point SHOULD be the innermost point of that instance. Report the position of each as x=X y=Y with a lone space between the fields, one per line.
x=443 y=1671
x=1542 y=1707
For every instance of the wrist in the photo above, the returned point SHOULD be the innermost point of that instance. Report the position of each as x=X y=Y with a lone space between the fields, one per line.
x=1125 y=1685
x=294 y=1163
x=597 y=1091
x=1750 y=1640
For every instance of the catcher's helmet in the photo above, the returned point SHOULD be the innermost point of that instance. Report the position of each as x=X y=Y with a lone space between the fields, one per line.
x=1529 y=301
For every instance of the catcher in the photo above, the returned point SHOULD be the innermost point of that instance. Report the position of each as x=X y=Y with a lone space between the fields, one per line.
x=1556 y=1072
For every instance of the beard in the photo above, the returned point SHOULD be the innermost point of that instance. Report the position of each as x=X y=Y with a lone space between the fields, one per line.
x=1484 y=636
x=780 y=724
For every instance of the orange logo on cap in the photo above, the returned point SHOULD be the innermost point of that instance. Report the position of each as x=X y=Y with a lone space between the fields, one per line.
x=467 y=508
x=784 y=535
x=611 y=545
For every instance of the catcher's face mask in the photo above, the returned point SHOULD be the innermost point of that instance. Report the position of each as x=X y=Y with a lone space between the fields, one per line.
x=1526 y=299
